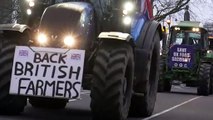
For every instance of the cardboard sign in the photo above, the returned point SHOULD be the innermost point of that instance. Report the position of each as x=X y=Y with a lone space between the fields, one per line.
x=47 y=72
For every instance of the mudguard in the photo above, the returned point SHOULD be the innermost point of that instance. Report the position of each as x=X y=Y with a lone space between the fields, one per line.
x=144 y=47
x=14 y=27
x=14 y=31
x=115 y=36
x=147 y=54
x=148 y=32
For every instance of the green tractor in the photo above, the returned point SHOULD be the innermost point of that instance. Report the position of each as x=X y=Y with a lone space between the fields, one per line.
x=187 y=58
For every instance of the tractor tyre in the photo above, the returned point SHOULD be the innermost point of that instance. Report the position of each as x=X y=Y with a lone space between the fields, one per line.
x=50 y=103
x=204 y=79
x=191 y=83
x=211 y=81
x=9 y=104
x=143 y=102
x=112 y=83
x=164 y=85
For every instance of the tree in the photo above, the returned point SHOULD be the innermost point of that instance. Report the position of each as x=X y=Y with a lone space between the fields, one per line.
x=12 y=11
x=163 y=8
x=6 y=9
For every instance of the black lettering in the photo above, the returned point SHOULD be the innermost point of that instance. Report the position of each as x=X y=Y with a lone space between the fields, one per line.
x=37 y=58
x=53 y=72
x=45 y=69
x=74 y=72
x=75 y=89
x=67 y=90
x=31 y=87
x=20 y=83
x=18 y=68
x=36 y=71
x=61 y=58
x=45 y=58
x=59 y=87
x=49 y=85
x=51 y=58
x=39 y=86
x=28 y=68
x=64 y=74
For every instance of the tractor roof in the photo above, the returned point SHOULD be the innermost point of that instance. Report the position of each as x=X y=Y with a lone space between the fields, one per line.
x=189 y=24
x=210 y=37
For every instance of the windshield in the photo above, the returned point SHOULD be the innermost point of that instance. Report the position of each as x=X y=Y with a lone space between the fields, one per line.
x=186 y=37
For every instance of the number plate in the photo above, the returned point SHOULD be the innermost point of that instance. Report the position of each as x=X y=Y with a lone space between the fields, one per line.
x=47 y=72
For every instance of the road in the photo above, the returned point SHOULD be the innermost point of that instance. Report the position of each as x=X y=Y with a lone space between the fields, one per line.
x=181 y=104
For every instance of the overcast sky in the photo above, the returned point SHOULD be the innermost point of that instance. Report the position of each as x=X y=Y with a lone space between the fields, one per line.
x=200 y=10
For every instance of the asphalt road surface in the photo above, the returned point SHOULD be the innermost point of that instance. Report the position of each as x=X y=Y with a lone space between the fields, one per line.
x=181 y=104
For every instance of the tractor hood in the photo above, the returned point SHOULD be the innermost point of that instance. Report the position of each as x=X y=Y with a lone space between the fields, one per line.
x=182 y=57
x=65 y=17
x=71 y=18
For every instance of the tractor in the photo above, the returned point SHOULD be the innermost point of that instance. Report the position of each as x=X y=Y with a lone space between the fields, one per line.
x=210 y=42
x=187 y=58
x=109 y=47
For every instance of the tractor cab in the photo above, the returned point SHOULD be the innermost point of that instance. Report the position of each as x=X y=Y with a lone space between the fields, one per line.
x=187 y=41
x=189 y=33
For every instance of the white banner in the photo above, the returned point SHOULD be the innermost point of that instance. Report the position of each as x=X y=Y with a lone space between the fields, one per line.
x=47 y=72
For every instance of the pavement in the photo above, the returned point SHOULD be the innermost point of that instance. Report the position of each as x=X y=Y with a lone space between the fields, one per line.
x=181 y=104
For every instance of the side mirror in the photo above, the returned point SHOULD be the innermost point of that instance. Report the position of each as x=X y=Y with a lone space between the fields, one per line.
x=164 y=40
x=210 y=43
x=211 y=46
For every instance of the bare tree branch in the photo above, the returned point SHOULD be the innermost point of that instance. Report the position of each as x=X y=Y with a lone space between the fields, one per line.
x=168 y=7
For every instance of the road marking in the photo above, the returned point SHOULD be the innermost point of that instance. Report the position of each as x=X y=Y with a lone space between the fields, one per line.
x=72 y=100
x=172 y=108
x=83 y=92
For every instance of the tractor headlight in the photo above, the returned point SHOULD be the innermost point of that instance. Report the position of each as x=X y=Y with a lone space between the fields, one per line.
x=127 y=20
x=177 y=28
x=128 y=6
x=29 y=11
x=125 y=12
x=30 y=0
x=31 y=3
x=128 y=9
x=209 y=51
x=69 y=41
x=42 y=38
x=195 y=29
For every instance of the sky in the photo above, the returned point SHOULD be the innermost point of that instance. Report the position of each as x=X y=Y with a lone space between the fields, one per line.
x=200 y=10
